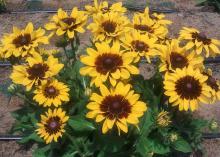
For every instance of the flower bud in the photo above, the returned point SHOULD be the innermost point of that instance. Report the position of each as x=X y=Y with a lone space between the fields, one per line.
x=88 y=91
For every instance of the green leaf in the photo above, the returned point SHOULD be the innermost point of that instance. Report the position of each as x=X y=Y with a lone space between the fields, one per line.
x=200 y=1
x=41 y=152
x=31 y=137
x=182 y=146
x=78 y=123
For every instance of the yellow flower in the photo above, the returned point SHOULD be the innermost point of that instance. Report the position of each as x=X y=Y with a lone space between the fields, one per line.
x=104 y=7
x=158 y=18
x=119 y=105
x=141 y=44
x=163 y=119
x=23 y=42
x=62 y=23
x=109 y=27
x=173 y=56
x=50 y=93
x=144 y=24
x=214 y=85
x=52 y=125
x=108 y=63
x=187 y=88
x=35 y=71
x=199 y=42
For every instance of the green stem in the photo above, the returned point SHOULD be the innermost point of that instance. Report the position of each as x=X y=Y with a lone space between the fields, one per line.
x=24 y=98
x=73 y=49
x=64 y=48
x=74 y=143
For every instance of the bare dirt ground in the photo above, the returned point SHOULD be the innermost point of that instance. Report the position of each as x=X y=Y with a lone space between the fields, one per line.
x=187 y=15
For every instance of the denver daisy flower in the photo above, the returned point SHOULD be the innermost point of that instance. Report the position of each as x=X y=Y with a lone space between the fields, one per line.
x=173 y=56
x=119 y=106
x=35 y=71
x=214 y=84
x=109 y=27
x=108 y=63
x=187 y=88
x=145 y=24
x=51 y=93
x=23 y=42
x=104 y=7
x=141 y=44
x=52 y=125
x=62 y=23
x=199 y=42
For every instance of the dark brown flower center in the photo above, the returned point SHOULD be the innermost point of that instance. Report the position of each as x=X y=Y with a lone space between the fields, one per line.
x=51 y=92
x=109 y=26
x=22 y=40
x=115 y=107
x=201 y=37
x=144 y=28
x=53 y=125
x=108 y=63
x=212 y=82
x=178 y=61
x=37 y=71
x=139 y=46
x=69 y=21
x=188 y=88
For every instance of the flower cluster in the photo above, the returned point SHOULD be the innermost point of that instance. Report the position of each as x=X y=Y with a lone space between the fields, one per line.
x=104 y=83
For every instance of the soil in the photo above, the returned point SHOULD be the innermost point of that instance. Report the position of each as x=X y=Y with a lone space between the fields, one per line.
x=187 y=15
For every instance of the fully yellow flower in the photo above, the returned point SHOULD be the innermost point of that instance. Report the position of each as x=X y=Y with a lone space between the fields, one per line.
x=157 y=18
x=144 y=24
x=108 y=63
x=199 y=42
x=141 y=44
x=104 y=7
x=187 y=88
x=109 y=27
x=50 y=93
x=119 y=105
x=35 y=71
x=52 y=125
x=173 y=56
x=23 y=42
x=62 y=23
x=214 y=85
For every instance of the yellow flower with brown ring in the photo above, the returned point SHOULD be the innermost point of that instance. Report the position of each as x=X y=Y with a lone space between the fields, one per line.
x=62 y=23
x=51 y=93
x=141 y=44
x=172 y=56
x=108 y=63
x=187 y=88
x=23 y=42
x=109 y=27
x=118 y=106
x=199 y=42
x=35 y=71
x=51 y=126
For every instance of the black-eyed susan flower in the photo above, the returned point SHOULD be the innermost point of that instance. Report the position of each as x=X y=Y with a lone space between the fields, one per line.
x=119 y=106
x=144 y=24
x=199 y=42
x=163 y=119
x=35 y=71
x=214 y=85
x=186 y=88
x=173 y=56
x=51 y=93
x=52 y=125
x=158 y=18
x=103 y=7
x=108 y=63
x=62 y=23
x=23 y=42
x=141 y=44
x=109 y=27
